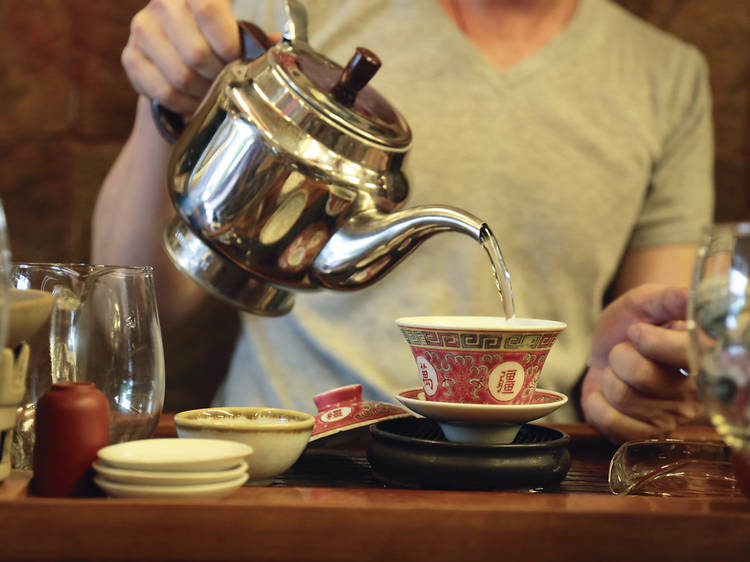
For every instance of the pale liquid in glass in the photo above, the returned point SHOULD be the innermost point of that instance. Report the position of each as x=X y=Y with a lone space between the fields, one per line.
x=721 y=340
x=728 y=407
x=499 y=270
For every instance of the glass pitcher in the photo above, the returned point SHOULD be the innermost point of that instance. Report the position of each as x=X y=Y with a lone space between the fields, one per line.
x=103 y=328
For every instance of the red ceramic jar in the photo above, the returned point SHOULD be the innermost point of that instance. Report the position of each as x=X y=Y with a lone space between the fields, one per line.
x=71 y=425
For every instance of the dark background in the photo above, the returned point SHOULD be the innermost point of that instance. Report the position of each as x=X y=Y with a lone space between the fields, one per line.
x=66 y=108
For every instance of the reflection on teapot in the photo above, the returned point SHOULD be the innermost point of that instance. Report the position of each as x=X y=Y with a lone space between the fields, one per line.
x=290 y=177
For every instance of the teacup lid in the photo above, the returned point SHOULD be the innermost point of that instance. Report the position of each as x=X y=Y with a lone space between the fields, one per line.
x=342 y=409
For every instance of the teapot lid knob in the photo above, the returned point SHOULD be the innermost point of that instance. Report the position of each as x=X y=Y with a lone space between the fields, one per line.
x=356 y=74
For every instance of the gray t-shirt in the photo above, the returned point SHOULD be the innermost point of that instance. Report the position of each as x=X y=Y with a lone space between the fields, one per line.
x=599 y=142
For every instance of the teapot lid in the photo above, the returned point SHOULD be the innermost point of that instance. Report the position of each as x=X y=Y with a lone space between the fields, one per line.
x=339 y=95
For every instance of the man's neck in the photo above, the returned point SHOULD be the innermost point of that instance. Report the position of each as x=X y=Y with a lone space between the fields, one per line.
x=508 y=31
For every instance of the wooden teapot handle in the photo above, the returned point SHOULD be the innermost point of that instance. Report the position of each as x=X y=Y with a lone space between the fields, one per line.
x=253 y=43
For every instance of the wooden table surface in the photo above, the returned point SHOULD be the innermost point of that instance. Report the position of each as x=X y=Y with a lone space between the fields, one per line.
x=353 y=517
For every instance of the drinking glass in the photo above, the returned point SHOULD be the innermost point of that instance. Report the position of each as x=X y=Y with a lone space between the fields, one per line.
x=719 y=328
x=103 y=328
x=8 y=393
x=4 y=279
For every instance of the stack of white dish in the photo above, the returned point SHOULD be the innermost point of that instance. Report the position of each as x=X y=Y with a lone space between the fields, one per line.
x=172 y=468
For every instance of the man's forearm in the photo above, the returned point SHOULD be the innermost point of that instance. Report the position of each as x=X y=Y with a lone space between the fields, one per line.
x=130 y=213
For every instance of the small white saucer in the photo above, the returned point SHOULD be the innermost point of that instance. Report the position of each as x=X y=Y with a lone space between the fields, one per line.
x=172 y=478
x=481 y=423
x=215 y=490
x=170 y=454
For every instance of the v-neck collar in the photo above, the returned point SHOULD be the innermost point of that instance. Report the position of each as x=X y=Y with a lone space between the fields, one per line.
x=564 y=45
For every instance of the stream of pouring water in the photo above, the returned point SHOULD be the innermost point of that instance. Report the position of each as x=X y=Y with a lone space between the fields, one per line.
x=499 y=270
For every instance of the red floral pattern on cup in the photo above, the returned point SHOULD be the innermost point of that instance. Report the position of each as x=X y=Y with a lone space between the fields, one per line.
x=500 y=366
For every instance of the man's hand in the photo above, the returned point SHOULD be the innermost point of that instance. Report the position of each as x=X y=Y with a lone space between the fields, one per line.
x=634 y=388
x=177 y=47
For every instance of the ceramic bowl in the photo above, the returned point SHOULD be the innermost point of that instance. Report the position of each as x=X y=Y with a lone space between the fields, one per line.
x=278 y=437
x=29 y=310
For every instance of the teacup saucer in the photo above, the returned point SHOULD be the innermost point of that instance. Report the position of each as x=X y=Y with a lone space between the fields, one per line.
x=481 y=423
x=169 y=454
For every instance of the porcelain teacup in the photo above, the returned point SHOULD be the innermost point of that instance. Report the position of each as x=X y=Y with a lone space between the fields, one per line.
x=479 y=359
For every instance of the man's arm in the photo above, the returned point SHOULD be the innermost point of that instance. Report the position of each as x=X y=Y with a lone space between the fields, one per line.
x=671 y=265
x=132 y=207
x=174 y=51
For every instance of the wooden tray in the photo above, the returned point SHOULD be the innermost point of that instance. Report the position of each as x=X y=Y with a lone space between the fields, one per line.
x=328 y=507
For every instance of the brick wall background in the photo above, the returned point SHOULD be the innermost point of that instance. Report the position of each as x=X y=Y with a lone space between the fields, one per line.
x=66 y=108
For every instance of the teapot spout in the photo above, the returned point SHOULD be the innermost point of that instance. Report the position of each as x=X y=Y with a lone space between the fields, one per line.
x=371 y=243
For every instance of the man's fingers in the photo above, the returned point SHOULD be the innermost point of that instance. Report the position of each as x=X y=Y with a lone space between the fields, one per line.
x=652 y=304
x=150 y=82
x=217 y=24
x=187 y=39
x=162 y=54
x=651 y=367
x=665 y=345
x=665 y=413
x=657 y=304
x=613 y=424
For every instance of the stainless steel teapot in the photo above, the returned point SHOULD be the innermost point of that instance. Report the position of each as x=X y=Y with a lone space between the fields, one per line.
x=289 y=177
